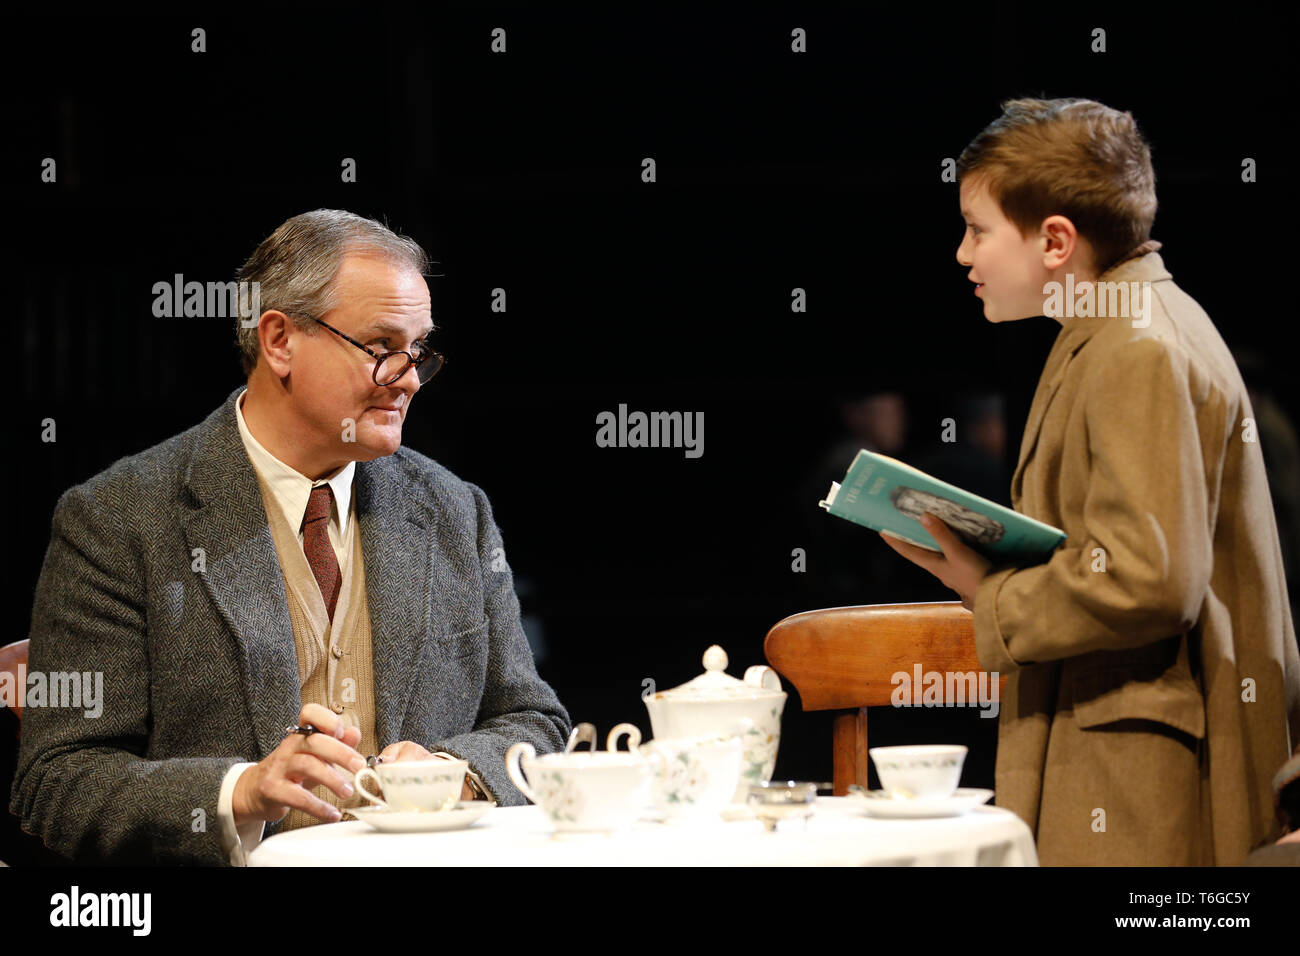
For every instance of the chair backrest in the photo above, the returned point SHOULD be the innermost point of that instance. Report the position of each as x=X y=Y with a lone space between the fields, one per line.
x=846 y=659
x=11 y=657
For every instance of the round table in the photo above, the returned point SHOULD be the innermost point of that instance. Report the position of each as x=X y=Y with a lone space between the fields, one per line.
x=837 y=834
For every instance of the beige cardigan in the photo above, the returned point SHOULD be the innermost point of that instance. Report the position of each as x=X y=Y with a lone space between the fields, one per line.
x=334 y=660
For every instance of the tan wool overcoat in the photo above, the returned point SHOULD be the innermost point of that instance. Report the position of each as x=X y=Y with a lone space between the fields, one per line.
x=1154 y=681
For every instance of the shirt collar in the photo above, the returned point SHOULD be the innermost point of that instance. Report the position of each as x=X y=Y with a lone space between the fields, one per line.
x=291 y=488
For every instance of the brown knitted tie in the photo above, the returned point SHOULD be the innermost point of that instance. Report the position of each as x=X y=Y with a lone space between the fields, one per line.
x=316 y=544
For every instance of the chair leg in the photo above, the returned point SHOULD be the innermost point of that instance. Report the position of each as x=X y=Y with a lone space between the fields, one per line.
x=850 y=756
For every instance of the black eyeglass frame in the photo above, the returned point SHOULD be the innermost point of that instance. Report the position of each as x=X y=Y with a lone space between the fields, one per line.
x=381 y=357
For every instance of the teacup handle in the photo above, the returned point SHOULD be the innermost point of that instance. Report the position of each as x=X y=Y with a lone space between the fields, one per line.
x=359 y=779
x=514 y=767
x=633 y=737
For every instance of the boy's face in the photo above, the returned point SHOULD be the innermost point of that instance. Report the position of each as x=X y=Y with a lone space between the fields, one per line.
x=1009 y=269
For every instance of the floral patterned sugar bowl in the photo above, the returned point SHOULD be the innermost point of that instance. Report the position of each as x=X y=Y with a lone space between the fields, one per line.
x=716 y=704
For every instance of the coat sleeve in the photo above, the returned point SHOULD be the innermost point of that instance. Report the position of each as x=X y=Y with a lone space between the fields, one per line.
x=83 y=783
x=1139 y=568
x=517 y=704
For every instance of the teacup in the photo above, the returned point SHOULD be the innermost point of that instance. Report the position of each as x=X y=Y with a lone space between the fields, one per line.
x=920 y=771
x=586 y=790
x=699 y=775
x=425 y=785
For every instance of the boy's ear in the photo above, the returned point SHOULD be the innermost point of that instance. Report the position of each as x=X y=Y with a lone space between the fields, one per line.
x=1061 y=245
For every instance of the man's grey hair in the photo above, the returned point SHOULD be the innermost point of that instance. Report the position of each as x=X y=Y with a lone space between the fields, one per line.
x=296 y=265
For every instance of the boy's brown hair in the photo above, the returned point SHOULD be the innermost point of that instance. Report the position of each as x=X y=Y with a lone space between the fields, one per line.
x=1070 y=157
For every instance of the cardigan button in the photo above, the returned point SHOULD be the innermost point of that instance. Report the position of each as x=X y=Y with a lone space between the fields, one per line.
x=337 y=708
x=337 y=652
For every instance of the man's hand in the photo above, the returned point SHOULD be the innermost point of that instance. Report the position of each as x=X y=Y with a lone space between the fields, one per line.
x=960 y=567
x=409 y=750
x=270 y=789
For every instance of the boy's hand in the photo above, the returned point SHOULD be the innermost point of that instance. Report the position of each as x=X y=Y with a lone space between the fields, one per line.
x=960 y=567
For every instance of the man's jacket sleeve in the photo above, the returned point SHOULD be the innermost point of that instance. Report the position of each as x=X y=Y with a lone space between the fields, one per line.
x=84 y=784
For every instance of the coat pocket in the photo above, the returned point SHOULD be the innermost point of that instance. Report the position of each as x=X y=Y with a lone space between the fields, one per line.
x=465 y=642
x=1168 y=695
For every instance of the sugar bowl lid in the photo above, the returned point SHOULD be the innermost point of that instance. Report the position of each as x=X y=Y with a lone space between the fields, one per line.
x=716 y=684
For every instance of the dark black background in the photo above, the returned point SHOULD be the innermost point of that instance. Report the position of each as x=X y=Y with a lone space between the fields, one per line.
x=522 y=171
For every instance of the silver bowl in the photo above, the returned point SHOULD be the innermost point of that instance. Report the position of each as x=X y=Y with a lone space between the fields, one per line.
x=777 y=800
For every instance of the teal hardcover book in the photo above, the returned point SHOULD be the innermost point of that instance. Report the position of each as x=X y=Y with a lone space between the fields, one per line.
x=886 y=495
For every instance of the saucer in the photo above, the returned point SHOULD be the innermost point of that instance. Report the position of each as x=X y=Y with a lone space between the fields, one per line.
x=421 y=821
x=961 y=800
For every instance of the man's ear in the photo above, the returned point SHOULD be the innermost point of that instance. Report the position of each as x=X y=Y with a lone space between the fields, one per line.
x=273 y=337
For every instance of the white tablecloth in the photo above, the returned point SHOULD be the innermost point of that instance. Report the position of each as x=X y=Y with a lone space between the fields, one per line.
x=837 y=834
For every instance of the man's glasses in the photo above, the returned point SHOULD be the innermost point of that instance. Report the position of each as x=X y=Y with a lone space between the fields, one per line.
x=391 y=366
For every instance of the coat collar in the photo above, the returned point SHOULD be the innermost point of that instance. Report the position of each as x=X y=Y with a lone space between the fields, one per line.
x=1074 y=335
x=227 y=519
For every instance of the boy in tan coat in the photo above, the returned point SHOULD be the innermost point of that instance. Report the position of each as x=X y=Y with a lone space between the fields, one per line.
x=1154 y=684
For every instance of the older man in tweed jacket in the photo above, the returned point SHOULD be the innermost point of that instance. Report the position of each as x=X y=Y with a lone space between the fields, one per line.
x=285 y=561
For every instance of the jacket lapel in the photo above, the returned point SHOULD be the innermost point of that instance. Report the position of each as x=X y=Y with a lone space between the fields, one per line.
x=1074 y=334
x=228 y=521
x=1048 y=384
x=399 y=555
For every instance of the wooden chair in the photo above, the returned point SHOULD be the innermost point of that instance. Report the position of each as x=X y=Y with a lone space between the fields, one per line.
x=11 y=657
x=844 y=658
x=17 y=846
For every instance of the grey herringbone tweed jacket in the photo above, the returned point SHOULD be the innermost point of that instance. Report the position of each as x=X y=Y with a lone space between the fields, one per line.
x=199 y=667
